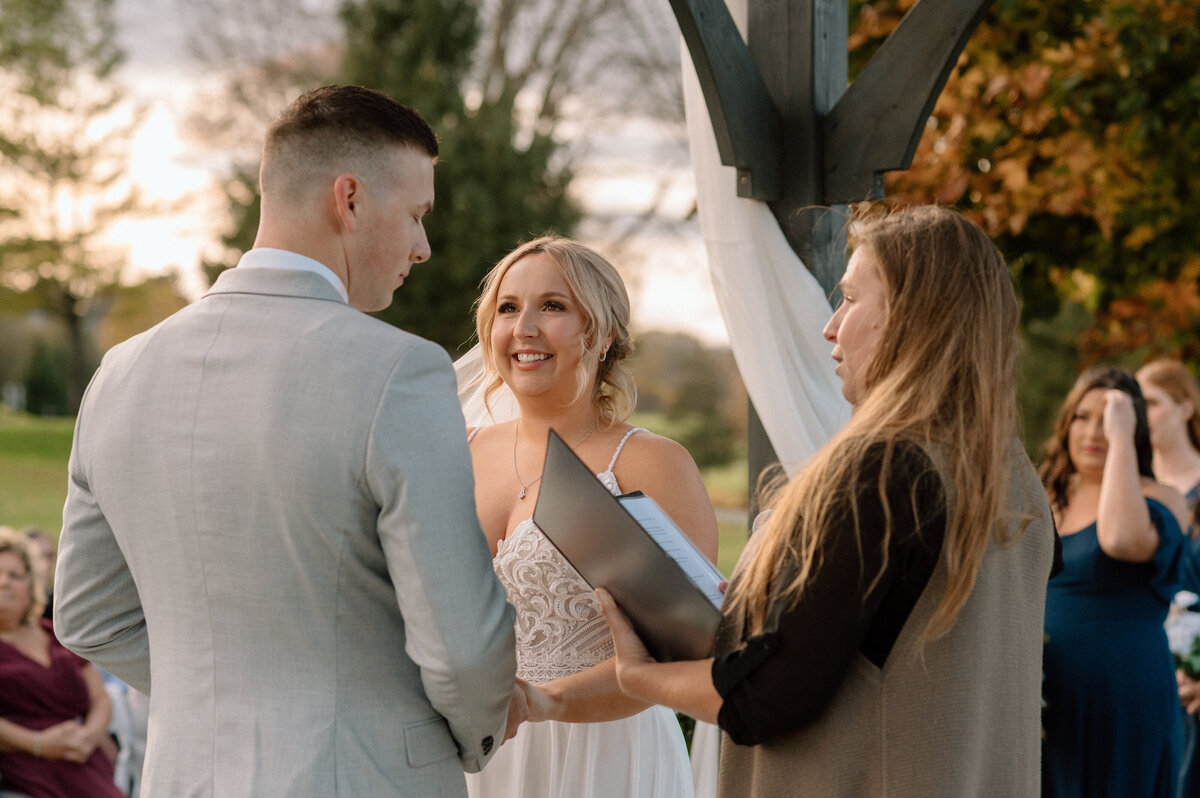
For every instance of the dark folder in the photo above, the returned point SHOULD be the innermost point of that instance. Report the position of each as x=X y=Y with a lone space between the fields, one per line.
x=609 y=549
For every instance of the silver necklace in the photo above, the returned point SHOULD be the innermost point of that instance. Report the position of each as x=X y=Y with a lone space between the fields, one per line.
x=516 y=471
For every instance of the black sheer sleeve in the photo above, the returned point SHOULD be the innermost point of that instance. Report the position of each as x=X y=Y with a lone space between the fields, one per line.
x=781 y=680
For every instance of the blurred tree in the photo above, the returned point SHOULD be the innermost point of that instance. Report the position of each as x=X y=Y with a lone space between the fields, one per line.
x=695 y=386
x=46 y=390
x=16 y=345
x=139 y=307
x=65 y=131
x=265 y=55
x=1049 y=364
x=1071 y=131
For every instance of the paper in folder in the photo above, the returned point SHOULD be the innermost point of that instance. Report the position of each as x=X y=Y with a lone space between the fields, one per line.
x=632 y=549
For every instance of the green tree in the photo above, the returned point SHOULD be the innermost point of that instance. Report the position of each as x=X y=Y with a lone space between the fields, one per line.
x=46 y=379
x=65 y=130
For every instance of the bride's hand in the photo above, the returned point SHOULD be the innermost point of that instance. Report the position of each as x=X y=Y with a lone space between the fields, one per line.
x=630 y=649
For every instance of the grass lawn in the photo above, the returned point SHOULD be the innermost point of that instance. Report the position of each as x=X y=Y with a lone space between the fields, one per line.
x=33 y=470
x=33 y=480
x=731 y=541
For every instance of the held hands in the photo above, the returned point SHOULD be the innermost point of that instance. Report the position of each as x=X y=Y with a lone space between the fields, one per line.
x=529 y=704
x=542 y=705
x=1120 y=420
x=518 y=710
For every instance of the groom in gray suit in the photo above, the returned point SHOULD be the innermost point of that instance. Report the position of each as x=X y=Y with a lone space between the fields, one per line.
x=270 y=522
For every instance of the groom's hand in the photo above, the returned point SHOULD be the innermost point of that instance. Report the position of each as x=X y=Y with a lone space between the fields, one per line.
x=518 y=711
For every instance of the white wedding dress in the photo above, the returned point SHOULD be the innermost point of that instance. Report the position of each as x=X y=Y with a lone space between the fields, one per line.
x=560 y=631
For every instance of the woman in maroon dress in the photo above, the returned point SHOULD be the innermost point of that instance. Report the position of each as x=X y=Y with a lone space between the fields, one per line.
x=54 y=711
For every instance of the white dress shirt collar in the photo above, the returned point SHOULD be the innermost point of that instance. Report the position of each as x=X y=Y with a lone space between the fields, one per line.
x=266 y=258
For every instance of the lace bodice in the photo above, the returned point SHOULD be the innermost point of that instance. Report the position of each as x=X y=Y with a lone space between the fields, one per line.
x=559 y=627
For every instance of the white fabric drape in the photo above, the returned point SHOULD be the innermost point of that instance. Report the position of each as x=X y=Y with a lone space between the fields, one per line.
x=774 y=312
x=773 y=307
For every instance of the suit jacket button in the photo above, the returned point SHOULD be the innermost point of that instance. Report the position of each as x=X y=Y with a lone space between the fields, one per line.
x=487 y=745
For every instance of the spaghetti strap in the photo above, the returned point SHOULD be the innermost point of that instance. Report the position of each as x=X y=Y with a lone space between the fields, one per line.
x=621 y=446
x=471 y=434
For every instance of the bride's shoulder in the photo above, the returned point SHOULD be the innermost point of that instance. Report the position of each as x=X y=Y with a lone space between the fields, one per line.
x=489 y=434
x=649 y=450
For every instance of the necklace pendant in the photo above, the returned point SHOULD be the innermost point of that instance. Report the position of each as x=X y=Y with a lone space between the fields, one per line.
x=522 y=496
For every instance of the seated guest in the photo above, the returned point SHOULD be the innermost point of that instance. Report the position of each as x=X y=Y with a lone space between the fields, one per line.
x=54 y=710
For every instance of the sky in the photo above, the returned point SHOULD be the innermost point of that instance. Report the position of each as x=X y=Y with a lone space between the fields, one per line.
x=665 y=271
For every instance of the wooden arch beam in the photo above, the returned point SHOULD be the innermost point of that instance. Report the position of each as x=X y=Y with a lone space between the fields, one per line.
x=877 y=123
x=744 y=118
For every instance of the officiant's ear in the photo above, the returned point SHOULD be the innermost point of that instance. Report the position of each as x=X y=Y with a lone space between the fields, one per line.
x=347 y=191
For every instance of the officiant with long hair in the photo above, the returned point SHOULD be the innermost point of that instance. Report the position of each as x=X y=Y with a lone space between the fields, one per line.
x=882 y=631
x=553 y=323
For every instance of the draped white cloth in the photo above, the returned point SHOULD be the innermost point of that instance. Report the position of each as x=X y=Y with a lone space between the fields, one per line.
x=773 y=307
x=774 y=312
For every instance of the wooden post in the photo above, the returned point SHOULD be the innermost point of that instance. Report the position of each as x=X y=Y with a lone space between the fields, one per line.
x=800 y=49
x=780 y=101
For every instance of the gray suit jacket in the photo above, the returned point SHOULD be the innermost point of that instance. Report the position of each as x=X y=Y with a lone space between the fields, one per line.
x=270 y=527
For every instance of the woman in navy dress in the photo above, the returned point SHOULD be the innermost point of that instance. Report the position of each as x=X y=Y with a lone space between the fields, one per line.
x=1173 y=410
x=1111 y=724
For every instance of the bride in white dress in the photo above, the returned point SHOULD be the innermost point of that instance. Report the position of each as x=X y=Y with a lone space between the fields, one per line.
x=553 y=325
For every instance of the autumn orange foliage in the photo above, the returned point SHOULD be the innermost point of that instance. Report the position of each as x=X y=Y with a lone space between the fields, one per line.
x=1071 y=132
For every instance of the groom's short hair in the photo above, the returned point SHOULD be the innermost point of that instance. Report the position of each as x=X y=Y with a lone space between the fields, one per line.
x=334 y=129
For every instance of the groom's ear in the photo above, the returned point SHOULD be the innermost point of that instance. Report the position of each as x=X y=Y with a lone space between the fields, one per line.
x=347 y=194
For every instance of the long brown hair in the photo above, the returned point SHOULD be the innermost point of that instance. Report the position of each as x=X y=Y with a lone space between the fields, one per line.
x=943 y=376
x=1057 y=468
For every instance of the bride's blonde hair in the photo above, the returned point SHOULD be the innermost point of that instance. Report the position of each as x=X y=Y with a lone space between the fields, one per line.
x=601 y=295
x=943 y=377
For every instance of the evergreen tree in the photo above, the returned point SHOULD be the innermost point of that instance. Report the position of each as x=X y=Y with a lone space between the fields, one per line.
x=64 y=135
x=491 y=192
x=46 y=379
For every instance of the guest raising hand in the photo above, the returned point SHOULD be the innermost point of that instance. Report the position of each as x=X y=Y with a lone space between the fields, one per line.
x=1110 y=684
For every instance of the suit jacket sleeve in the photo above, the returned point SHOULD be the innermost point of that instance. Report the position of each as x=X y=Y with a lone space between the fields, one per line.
x=458 y=625
x=97 y=611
